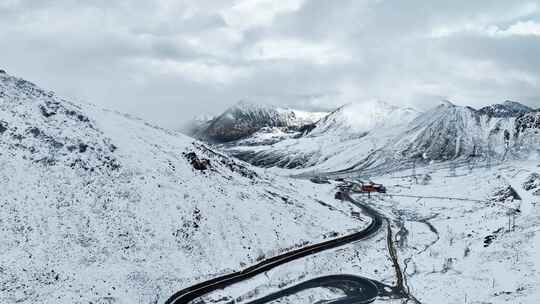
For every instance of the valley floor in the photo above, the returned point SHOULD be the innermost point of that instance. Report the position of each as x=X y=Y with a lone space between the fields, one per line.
x=457 y=239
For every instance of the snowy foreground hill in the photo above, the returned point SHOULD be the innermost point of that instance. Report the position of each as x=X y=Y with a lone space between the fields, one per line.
x=100 y=207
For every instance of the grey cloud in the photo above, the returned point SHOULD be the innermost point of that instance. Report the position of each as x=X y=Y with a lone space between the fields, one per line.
x=514 y=52
x=197 y=23
x=168 y=60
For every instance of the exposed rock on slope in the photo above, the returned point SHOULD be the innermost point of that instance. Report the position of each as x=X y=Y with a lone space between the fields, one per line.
x=101 y=207
x=529 y=121
x=533 y=184
x=505 y=194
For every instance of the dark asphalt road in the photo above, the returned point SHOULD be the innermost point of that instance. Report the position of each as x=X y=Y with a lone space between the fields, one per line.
x=357 y=290
x=366 y=289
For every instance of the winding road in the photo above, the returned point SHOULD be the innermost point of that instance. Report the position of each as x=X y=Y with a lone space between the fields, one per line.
x=357 y=289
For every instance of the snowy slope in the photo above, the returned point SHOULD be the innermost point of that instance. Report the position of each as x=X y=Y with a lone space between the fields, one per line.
x=527 y=135
x=445 y=132
x=387 y=137
x=100 y=207
x=345 y=136
x=244 y=118
x=452 y=236
x=456 y=132
x=456 y=250
x=362 y=118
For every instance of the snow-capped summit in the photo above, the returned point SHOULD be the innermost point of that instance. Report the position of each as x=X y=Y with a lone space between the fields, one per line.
x=447 y=103
x=446 y=132
x=506 y=109
x=348 y=133
x=245 y=118
x=101 y=207
x=362 y=117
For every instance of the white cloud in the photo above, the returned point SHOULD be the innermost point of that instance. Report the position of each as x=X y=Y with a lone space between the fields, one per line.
x=297 y=50
x=9 y=4
x=523 y=28
x=202 y=72
x=250 y=13
x=485 y=21
x=164 y=58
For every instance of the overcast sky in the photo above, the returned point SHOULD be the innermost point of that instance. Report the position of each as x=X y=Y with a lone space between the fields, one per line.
x=168 y=60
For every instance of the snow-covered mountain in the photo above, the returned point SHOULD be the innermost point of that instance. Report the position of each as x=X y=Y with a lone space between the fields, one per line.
x=376 y=135
x=506 y=109
x=527 y=134
x=100 y=207
x=450 y=131
x=344 y=136
x=362 y=118
x=445 y=132
x=244 y=119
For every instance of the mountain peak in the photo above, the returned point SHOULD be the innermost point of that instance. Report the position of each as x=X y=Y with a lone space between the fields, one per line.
x=359 y=118
x=244 y=118
x=447 y=103
x=515 y=104
x=507 y=109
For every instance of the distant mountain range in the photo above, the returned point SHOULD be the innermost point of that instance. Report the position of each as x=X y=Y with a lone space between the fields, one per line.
x=371 y=135
x=244 y=119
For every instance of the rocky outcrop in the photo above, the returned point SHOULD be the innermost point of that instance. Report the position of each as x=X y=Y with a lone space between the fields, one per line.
x=505 y=194
x=533 y=184
x=197 y=163
x=527 y=121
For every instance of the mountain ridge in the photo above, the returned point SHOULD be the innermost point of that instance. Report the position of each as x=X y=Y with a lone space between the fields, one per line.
x=245 y=118
x=507 y=109
x=445 y=132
